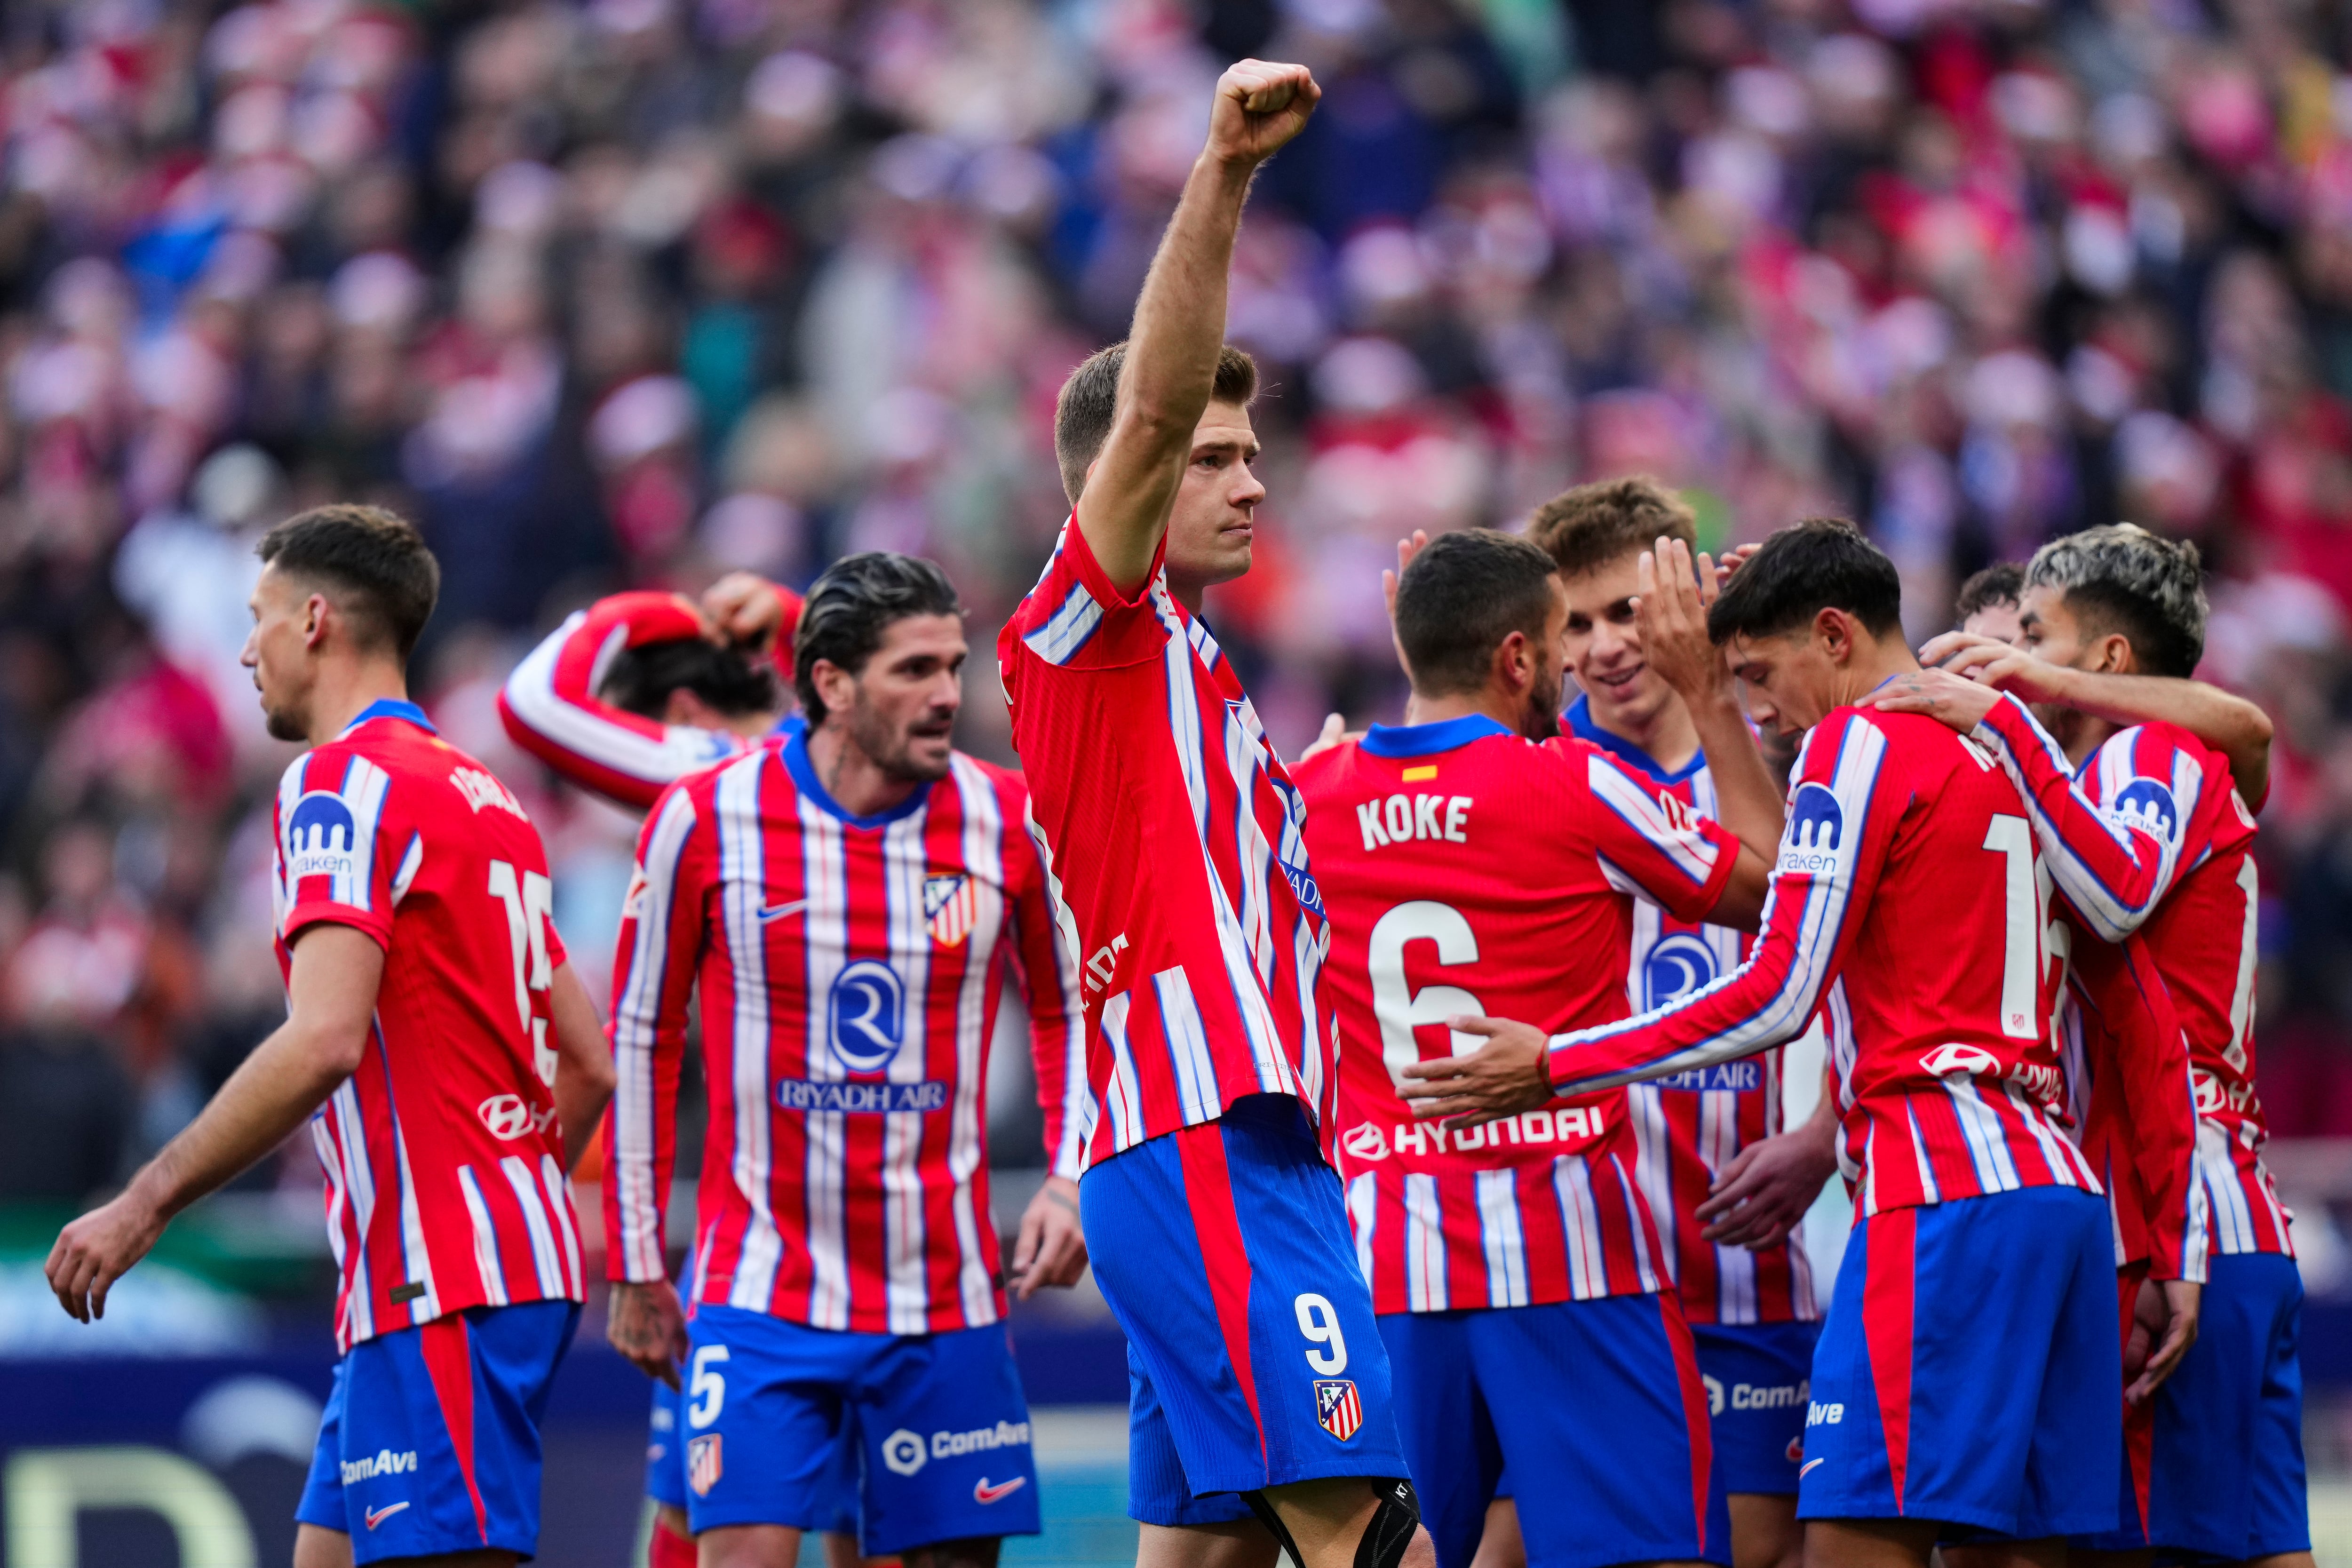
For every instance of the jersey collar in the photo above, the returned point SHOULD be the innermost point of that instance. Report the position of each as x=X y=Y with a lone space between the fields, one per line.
x=1580 y=723
x=804 y=772
x=1428 y=740
x=391 y=708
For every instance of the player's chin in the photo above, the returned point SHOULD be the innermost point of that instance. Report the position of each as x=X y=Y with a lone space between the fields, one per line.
x=929 y=756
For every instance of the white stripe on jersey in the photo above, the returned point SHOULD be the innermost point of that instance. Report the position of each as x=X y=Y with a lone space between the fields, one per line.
x=1719 y=1144
x=560 y=1196
x=1686 y=847
x=825 y=940
x=359 y=1181
x=1587 y=1261
x=486 y=1239
x=983 y=858
x=1069 y=628
x=1645 y=1106
x=543 y=1260
x=2234 y=1220
x=1425 y=1245
x=636 y=1012
x=1077 y=1100
x=1363 y=1205
x=1498 y=1232
x=1981 y=1130
x=1928 y=1190
x=422 y=1309
x=2058 y=1152
x=1121 y=1096
x=411 y=863
x=743 y=880
x=1188 y=1045
x=365 y=787
x=1643 y=1268
x=906 y=1283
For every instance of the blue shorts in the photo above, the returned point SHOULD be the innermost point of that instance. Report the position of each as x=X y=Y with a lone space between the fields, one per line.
x=1758 y=1377
x=429 y=1443
x=2224 y=1462
x=1601 y=1397
x=666 y=1465
x=933 y=1428
x=1969 y=1371
x=1254 y=1358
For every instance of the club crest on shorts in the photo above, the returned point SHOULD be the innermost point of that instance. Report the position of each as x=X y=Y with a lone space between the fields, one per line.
x=951 y=904
x=702 y=1465
x=1337 y=1406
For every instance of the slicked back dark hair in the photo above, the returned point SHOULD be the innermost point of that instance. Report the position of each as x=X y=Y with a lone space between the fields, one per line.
x=1820 y=564
x=850 y=606
x=1082 y=413
x=1998 y=583
x=1596 y=525
x=1461 y=597
x=371 y=562
x=641 y=679
x=2122 y=578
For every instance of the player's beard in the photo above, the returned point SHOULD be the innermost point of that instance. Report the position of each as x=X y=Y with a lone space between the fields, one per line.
x=890 y=748
x=283 y=725
x=1542 y=721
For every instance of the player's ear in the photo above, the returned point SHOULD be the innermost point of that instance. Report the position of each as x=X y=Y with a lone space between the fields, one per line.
x=2116 y=656
x=1835 y=633
x=314 y=620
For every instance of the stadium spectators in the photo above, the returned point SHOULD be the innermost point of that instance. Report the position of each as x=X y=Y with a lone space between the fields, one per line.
x=634 y=291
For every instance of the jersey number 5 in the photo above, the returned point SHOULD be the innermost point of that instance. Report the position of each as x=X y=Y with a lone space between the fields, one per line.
x=530 y=905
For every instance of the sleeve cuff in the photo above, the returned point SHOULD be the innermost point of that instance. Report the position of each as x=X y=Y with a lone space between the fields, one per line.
x=302 y=917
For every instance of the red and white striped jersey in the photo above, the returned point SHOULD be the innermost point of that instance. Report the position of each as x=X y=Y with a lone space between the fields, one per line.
x=1468 y=870
x=1176 y=856
x=1910 y=899
x=2153 y=836
x=849 y=970
x=551 y=708
x=445 y=1165
x=1690 y=1126
x=2133 y=1099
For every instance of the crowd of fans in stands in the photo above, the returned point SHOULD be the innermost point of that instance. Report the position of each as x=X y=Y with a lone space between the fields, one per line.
x=632 y=292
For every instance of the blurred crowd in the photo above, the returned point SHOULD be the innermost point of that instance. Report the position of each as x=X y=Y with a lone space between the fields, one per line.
x=633 y=292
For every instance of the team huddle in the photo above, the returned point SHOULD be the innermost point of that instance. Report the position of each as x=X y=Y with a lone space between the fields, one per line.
x=1418 y=1106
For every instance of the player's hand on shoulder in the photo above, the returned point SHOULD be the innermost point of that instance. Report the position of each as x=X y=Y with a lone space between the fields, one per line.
x=1995 y=664
x=99 y=1249
x=1510 y=1073
x=1949 y=699
x=648 y=1326
x=1261 y=105
x=1050 y=1250
x=1334 y=734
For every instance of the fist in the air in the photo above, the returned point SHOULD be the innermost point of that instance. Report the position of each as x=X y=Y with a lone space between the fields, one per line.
x=1260 y=106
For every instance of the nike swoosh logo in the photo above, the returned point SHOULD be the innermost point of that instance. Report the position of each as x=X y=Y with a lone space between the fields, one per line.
x=778 y=911
x=376 y=1516
x=1807 y=1467
x=983 y=1492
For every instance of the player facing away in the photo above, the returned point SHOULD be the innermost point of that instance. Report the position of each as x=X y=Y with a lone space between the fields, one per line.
x=448 y=1061
x=1523 y=1288
x=1258 y=1380
x=843 y=896
x=1706 y=1138
x=623 y=698
x=1968 y=1374
x=2144 y=833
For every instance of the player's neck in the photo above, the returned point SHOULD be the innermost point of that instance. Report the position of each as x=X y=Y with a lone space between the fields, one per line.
x=1664 y=735
x=2078 y=734
x=1501 y=710
x=1872 y=666
x=856 y=784
x=343 y=692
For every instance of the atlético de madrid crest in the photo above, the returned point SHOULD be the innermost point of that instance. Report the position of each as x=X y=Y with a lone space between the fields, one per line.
x=702 y=1463
x=1337 y=1406
x=950 y=903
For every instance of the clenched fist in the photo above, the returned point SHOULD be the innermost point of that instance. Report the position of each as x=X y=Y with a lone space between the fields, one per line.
x=1260 y=106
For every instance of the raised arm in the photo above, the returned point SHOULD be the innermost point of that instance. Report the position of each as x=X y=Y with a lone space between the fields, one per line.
x=1180 y=322
x=2229 y=723
x=2114 y=867
x=1671 y=600
x=551 y=708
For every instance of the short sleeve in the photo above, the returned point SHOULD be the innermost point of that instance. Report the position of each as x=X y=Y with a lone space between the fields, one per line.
x=1074 y=619
x=346 y=852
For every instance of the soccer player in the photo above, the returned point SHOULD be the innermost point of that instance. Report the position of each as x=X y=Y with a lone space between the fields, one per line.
x=843 y=895
x=1258 y=1380
x=2142 y=828
x=1522 y=1285
x=448 y=1058
x=623 y=698
x=1967 y=1374
x=1746 y=1286
x=1987 y=604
